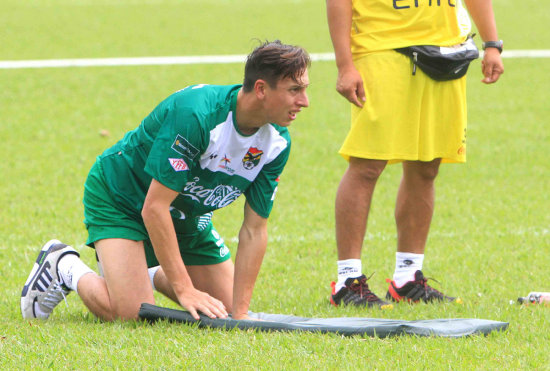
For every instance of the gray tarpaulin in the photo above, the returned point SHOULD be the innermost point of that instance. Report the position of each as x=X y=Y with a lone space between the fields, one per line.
x=454 y=327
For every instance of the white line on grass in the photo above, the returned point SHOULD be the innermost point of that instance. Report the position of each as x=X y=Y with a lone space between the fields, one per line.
x=205 y=59
x=138 y=61
x=328 y=235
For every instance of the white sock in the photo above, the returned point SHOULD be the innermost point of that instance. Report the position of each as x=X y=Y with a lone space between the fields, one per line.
x=406 y=264
x=71 y=269
x=152 y=271
x=346 y=269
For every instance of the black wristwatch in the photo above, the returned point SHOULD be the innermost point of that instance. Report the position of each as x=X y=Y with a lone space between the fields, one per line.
x=492 y=44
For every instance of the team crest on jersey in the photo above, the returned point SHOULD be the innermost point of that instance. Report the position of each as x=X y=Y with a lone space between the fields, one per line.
x=178 y=164
x=252 y=158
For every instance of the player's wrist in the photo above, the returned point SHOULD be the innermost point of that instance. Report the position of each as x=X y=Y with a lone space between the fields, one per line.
x=343 y=69
x=343 y=64
x=183 y=290
x=498 y=45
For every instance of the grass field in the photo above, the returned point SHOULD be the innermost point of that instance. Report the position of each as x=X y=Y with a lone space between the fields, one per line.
x=489 y=241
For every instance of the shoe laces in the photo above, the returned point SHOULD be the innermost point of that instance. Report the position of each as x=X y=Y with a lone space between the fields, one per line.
x=54 y=295
x=361 y=288
x=429 y=291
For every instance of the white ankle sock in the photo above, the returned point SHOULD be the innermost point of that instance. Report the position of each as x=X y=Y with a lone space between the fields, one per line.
x=346 y=269
x=406 y=264
x=152 y=271
x=71 y=269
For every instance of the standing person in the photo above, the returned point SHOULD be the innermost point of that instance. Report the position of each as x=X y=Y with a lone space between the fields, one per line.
x=149 y=199
x=398 y=116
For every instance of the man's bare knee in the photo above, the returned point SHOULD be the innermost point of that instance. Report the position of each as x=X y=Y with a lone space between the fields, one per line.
x=424 y=171
x=366 y=170
x=128 y=312
x=126 y=278
x=428 y=173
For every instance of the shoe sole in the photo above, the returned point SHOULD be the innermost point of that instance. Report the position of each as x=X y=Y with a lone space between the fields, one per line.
x=388 y=306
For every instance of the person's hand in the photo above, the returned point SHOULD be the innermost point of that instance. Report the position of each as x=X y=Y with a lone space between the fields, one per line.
x=350 y=85
x=194 y=300
x=491 y=66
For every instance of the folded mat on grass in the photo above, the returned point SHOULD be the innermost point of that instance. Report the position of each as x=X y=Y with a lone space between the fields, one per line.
x=454 y=327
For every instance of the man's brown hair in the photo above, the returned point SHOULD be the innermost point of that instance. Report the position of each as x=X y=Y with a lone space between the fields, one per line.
x=273 y=61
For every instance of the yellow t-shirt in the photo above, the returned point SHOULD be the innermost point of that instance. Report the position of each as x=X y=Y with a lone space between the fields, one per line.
x=389 y=24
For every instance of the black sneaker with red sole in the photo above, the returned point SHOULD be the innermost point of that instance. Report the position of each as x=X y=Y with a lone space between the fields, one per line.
x=356 y=292
x=416 y=291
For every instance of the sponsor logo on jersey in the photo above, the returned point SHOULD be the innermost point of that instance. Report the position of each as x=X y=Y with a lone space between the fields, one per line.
x=252 y=158
x=184 y=148
x=225 y=160
x=224 y=164
x=178 y=164
x=218 y=197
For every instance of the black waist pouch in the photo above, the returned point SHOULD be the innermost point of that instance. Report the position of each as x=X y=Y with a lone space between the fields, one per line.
x=442 y=63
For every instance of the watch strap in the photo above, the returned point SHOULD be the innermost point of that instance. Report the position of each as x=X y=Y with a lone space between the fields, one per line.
x=493 y=44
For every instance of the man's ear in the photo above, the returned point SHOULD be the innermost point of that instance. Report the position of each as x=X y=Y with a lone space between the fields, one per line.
x=259 y=88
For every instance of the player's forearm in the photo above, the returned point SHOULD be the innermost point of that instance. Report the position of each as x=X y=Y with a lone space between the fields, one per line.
x=483 y=16
x=339 y=13
x=250 y=254
x=160 y=227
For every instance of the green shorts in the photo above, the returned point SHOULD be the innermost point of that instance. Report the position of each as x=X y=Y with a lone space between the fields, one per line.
x=105 y=218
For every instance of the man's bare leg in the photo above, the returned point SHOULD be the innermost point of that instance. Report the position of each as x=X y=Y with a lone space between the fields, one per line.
x=413 y=214
x=415 y=205
x=352 y=207
x=125 y=284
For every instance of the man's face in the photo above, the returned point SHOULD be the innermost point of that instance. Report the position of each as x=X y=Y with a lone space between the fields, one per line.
x=283 y=102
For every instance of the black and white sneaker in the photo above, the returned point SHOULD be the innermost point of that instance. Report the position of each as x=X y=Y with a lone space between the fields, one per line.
x=44 y=288
x=356 y=292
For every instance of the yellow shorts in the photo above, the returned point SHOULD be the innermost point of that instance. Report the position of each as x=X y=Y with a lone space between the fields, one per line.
x=406 y=117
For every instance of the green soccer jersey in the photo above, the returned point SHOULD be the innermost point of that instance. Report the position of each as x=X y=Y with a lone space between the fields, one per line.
x=191 y=143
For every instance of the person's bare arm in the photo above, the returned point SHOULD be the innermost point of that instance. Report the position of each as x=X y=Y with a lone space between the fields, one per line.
x=157 y=219
x=349 y=83
x=483 y=16
x=250 y=254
